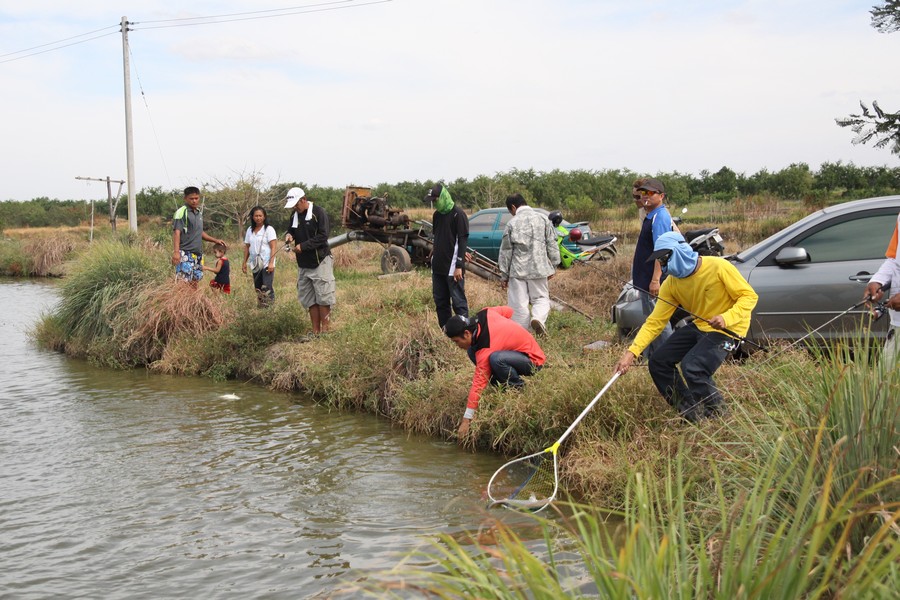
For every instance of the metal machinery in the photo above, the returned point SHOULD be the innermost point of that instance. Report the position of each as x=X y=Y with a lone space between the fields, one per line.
x=369 y=218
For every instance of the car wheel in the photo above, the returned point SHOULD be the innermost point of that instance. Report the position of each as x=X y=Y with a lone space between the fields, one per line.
x=395 y=260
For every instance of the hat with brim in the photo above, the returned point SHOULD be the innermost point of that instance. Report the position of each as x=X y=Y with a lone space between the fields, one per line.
x=294 y=196
x=664 y=253
x=456 y=325
x=652 y=185
x=434 y=193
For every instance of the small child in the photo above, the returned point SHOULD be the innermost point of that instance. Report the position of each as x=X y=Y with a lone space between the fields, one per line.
x=222 y=270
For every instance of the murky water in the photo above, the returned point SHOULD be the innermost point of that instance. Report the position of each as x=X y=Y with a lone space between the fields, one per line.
x=132 y=485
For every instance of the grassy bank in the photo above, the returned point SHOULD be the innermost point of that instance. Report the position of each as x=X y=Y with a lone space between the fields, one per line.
x=26 y=254
x=801 y=500
x=796 y=490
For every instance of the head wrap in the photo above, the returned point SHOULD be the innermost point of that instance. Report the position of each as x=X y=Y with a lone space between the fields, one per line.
x=683 y=260
x=444 y=203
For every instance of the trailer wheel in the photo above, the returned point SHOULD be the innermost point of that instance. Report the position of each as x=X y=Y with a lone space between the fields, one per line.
x=395 y=260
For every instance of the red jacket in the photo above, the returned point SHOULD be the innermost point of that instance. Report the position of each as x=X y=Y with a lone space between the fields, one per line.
x=497 y=332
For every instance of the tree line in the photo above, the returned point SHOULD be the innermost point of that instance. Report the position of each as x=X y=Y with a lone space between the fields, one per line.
x=578 y=193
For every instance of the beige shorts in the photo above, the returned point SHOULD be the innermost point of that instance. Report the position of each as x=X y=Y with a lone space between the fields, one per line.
x=316 y=286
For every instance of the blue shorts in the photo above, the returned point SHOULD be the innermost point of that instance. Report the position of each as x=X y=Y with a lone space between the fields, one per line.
x=190 y=268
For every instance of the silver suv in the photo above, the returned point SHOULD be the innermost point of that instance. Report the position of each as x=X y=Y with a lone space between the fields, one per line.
x=806 y=274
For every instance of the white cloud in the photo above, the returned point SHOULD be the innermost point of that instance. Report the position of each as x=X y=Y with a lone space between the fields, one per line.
x=444 y=88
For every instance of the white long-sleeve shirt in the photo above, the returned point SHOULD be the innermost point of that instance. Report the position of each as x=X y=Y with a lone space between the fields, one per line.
x=889 y=273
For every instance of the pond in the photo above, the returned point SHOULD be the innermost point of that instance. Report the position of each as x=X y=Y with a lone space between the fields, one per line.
x=126 y=484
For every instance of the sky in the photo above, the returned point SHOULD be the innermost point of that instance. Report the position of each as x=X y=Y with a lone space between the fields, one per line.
x=365 y=92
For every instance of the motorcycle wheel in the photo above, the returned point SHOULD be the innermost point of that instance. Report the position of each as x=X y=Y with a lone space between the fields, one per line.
x=604 y=255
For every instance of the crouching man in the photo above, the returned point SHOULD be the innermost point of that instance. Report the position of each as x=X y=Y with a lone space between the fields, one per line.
x=502 y=350
x=711 y=288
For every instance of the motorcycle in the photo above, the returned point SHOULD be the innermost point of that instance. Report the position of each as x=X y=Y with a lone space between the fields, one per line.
x=627 y=313
x=574 y=248
x=705 y=242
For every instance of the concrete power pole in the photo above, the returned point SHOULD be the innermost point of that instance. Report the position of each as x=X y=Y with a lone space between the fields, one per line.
x=129 y=138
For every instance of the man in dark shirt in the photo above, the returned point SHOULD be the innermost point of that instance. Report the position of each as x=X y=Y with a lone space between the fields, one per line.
x=308 y=229
x=451 y=234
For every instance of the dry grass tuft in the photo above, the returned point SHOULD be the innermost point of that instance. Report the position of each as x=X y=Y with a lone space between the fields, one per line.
x=363 y=256
x=145 y=322
x=49 y=253
x=592 y=287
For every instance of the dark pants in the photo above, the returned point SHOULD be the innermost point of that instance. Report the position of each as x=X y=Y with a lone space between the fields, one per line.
x=508 y=366
x=262 y=281
x=447 y=290
x=700 y=353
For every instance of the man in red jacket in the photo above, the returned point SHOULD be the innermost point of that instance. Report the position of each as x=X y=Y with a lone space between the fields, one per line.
x=502 y=350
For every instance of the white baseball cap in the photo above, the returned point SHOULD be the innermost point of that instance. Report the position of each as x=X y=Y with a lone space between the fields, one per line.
x=294 y=196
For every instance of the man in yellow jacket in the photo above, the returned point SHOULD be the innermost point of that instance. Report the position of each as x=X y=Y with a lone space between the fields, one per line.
x=711 y=288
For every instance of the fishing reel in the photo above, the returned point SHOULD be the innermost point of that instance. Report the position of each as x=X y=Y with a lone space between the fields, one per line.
x=878 y=309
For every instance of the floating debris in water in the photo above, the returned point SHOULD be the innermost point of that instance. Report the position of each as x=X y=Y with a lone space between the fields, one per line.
x=230 y=397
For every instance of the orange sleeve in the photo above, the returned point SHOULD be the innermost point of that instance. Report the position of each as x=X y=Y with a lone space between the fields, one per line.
x=481 y=378
x=892 y=246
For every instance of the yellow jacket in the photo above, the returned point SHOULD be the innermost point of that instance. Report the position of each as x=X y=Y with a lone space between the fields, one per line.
x=715 y=288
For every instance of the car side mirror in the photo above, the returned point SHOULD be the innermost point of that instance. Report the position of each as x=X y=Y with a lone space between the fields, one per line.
x=792 y=256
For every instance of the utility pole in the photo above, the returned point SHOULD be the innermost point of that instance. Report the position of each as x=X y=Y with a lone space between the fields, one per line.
x=129 y=138
x=113 y=205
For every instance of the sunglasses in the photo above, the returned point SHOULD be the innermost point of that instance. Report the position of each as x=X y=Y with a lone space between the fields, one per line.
x=640 y=193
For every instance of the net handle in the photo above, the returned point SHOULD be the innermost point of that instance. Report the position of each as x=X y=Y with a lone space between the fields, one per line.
x=586 y=410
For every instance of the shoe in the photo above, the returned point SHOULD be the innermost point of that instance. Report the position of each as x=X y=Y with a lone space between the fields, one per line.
x=716 y=411
x=692 y=413
x=539 y=328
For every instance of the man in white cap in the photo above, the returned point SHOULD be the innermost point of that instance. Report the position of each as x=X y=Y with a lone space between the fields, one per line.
x=308 y=230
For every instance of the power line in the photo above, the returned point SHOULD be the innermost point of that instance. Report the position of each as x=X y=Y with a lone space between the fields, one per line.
x=254 y=12
x=284 y=12
x=150 y=117
x=191 y=21
x=52 y=49
x=60 y=41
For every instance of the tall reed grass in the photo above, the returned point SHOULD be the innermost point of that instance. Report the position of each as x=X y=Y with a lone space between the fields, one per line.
x=109 y=270
x=804 y=503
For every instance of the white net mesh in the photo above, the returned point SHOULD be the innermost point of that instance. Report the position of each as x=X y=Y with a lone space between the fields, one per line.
x=529 y=482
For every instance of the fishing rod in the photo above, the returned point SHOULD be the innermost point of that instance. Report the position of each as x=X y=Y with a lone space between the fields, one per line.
x=881 y=308
x=878 y=311
x=725 y=330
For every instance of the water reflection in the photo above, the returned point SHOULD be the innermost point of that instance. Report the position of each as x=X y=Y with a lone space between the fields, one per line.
x=126 y=484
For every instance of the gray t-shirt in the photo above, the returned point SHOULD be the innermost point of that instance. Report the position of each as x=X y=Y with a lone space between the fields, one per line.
x=190 y=223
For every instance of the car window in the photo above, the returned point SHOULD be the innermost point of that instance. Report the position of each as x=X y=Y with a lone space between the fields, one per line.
x=504 y=219
x=864 y=238
x=482 y=222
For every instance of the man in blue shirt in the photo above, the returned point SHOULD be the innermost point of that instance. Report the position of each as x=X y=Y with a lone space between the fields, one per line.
x=649 y=194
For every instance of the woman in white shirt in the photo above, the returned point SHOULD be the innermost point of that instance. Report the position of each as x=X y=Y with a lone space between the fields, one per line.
x=260 y=243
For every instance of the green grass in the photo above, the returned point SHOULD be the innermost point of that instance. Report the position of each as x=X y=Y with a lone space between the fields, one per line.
x=798 y=501
x=795 y=492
